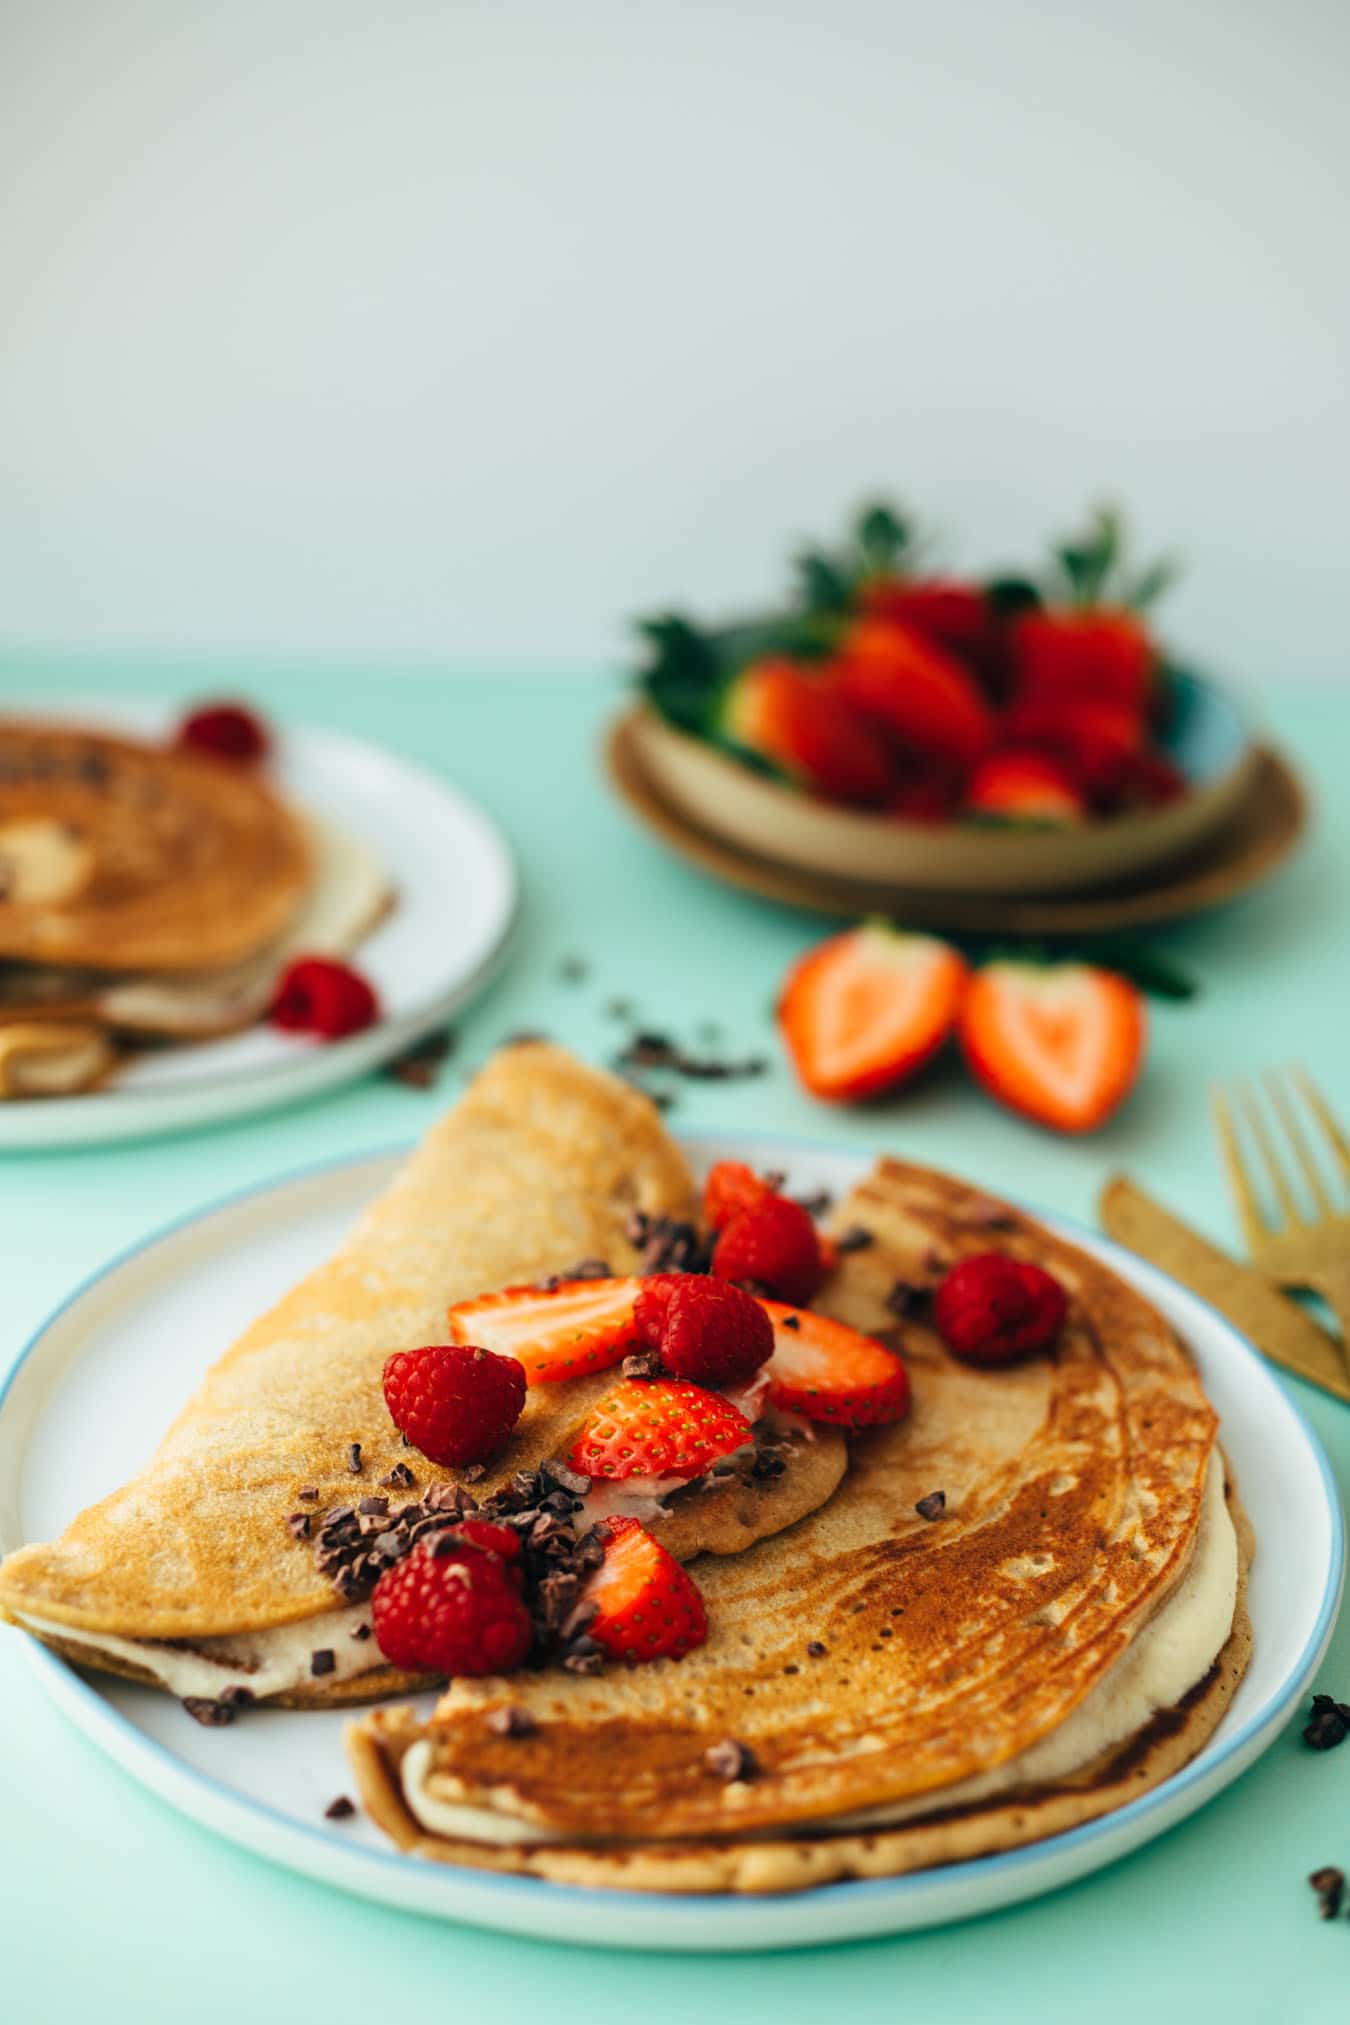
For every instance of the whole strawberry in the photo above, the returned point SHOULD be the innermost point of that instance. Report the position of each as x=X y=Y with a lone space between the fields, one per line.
x=451 y=1608
x=993 y=1310
x=775 y=1245
x=454 y=1401
x=703 y=1329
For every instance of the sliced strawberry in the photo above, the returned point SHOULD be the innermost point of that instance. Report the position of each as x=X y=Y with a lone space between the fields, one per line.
x=826 y=1371
x=867 y=1009
x=1062 y=1043
x=1094 y=654
x=555 y=1332
x=731 y=1187
x=925 y=700
x=657 y=1428
x=647 y=1606
x=777 y=709
x=1024 y=787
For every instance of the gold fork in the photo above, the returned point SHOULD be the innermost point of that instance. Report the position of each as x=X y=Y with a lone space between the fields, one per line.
x=1310 y=1252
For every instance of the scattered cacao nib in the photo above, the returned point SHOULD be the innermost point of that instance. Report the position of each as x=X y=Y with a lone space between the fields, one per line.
x=400 y=1478
x=574 y=970
x=659 y=1051
x=473 y=1473
x=212 y=1715
x=642 y=1364
x=309 y=1495
x=667 y=1245
x=339 y=1809
x=419 y=1066
x=730 y=1760
x=768 y=1464
x=373 y=1507
x=565 y=1477
x=1328 y=1725
x=816 y=1649
x=1329 y=1884
x=361 y=1632
x=511 y=1721
x=854 y=1239
x=907 y=1299
x=299 y=1525
x=354 y=1459
x=323 y=1661
x=237 y=1696
x=792 y=1321
x=933 y=1506
x=584 y=1269
x=817 y=1204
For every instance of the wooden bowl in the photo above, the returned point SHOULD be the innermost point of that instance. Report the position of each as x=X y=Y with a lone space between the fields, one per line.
x=1207 y=739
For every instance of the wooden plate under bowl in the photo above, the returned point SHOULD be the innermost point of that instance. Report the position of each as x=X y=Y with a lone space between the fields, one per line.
x=1261 y=834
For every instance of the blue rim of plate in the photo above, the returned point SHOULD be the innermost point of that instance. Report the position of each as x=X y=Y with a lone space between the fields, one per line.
x=696 y=1912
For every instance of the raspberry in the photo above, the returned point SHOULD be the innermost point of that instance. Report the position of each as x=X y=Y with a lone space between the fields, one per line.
x=455 y=1402
x=705 y=1330
x=318 y=996
x=452 y=1612
x=992 y=1310
x=775 y=1245
x=731 y=1187
x=225 y=731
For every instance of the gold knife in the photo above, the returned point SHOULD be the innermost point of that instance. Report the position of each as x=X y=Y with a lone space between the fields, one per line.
x=1280 y=1329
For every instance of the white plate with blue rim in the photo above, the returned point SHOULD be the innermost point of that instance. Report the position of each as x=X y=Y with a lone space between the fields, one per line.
x=455 y=899
x=89 y=1396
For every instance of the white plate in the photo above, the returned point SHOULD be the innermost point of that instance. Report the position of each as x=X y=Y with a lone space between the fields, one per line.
x=91 y=1394
x=456 y=903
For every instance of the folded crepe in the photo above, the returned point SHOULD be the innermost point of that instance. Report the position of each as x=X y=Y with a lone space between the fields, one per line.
x=1023 y=1607
x=201 y=1575
x=118 y=855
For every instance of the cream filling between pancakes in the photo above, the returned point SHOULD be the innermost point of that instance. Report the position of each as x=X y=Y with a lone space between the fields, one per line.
x=1169 y=1656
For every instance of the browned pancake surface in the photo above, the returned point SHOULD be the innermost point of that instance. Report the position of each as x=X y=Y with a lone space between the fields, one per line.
x=118 y=855
x=1073 y=1487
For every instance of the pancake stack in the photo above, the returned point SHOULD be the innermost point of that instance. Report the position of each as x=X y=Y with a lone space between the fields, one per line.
x=149 y=894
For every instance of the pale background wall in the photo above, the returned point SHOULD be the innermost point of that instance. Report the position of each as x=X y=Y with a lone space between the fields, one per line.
x=452 y=333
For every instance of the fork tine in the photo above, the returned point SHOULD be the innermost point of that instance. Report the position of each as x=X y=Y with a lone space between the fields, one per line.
x=1249 y=1211
x=1279 y=1097
x=1317 y=1104
x=1278 y=1179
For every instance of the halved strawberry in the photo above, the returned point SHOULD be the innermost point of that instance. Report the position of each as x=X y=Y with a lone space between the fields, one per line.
x=555 y=1332
x=867 y=1009
x=1024 y=787
x=1086 y=653
x=731 y=1187
x=657 y=1428
x=829 y=1372
x=1062 y=1043
x=925 y=700
x=778 y=709
x=647 y=1607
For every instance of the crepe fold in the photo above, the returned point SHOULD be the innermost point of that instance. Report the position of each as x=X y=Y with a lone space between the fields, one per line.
x=540 y=1165
x=874 y=1658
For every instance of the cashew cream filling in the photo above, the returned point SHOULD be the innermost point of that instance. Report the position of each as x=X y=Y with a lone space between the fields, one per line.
x=1171 y=1655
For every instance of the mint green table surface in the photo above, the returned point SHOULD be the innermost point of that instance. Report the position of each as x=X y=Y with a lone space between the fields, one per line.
x=113 y=1908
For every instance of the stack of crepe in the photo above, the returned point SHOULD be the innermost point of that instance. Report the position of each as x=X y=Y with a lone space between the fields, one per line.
x=1009 y=1613
x=150 y=895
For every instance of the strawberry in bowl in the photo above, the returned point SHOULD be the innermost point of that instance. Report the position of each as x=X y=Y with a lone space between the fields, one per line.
x=901 y=728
